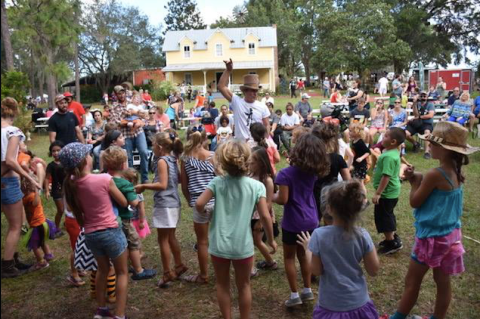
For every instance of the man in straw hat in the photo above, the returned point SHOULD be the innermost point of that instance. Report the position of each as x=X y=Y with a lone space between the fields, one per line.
x=248 y=110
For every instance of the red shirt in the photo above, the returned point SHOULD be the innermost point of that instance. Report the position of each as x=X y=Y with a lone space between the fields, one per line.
x=300 y=85
x=146 y=97
x=78 y=110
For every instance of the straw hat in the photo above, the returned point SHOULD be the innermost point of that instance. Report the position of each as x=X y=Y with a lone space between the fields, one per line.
x=250 y=81
x=451 y=136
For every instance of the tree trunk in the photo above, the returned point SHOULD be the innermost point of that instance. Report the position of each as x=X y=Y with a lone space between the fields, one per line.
x=77 y=74
x=7 y=44
x=41 y=82
x=51 y=89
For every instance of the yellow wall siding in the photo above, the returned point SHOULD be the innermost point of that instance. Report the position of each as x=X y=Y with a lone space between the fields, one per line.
x=206 y=56
x=197 y=76
x=262 y=75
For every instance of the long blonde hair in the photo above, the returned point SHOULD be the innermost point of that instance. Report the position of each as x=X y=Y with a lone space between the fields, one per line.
x=194 y=140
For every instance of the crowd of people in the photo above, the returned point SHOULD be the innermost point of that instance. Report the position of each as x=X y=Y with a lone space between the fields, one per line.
x=322 y=195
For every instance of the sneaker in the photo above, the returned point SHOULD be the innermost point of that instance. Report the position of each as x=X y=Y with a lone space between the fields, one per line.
x=24 y=229
x=195 y=247
x=293 y=302
x=390 y=247
x=103 y=314
x=59 y=234
x=395 y=237
x=254 y=273
x=48 y=257
x=307 y=296
x=20 y=265
x=427 y=156
x=9 y=270
x=145 y=274
x=39 y=266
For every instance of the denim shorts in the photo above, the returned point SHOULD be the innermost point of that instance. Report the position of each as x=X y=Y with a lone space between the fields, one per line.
x=11 y=192
x=110 y=242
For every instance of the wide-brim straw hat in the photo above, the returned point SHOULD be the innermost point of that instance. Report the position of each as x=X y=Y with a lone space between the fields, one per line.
x=451 y=136
x=251 y=81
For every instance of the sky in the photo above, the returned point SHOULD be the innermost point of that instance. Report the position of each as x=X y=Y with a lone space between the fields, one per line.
x=210 y=11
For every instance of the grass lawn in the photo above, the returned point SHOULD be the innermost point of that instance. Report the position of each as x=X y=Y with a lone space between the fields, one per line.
x=46 y=293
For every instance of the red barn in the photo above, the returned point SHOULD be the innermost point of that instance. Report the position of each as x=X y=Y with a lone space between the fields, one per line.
x=143 y=77
x=462 y=78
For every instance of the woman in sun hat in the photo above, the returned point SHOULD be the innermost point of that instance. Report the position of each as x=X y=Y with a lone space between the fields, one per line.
x=437 y=199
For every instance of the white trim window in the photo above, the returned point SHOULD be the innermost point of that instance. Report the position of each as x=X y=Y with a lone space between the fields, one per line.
x=251 y=48
x=186 y=51
x=218 y=49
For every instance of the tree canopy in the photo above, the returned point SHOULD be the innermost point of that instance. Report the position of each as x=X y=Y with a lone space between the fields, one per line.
x=183 y=15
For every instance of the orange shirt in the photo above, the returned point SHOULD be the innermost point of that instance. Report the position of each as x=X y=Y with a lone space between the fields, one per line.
x=35 y=216
x=200 y=100
x=23 y=158
x=78 y=110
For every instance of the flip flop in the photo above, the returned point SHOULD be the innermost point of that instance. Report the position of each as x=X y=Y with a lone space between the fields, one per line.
x=75 y=282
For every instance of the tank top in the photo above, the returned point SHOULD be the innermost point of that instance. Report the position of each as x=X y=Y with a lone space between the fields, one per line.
x=168 y=198
x=379 y=120
x=199 y=173
x=440 y=214
x=440 y=89
x=171 y=113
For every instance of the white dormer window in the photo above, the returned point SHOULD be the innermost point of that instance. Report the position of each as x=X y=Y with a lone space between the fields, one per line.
x=251 y=48
x=186 y=51
x=218 y=49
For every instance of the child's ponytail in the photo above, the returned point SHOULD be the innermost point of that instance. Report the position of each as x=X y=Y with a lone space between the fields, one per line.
x=71 y=193
x=347 y=200
x=459 y=160
x=194 y=140
x=259 y=132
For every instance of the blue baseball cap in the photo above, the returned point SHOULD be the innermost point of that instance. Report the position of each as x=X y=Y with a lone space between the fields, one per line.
x=73 y=154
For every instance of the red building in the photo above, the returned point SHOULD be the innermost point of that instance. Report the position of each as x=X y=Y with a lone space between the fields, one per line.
x=143 y=77
x=462 y=78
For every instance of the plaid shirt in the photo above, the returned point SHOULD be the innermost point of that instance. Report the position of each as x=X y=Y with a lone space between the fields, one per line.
x=118 y=113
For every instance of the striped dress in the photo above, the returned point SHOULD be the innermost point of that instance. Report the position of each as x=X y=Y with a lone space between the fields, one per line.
x=199 y=173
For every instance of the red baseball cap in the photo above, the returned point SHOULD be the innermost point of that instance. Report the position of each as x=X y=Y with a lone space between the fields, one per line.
x=67 y=94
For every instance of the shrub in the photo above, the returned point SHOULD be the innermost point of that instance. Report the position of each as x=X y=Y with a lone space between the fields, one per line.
x=161 y=90
x=15 y=84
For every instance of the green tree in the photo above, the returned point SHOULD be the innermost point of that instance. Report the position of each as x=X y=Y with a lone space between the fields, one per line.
x=350 y=39
x=47 y=28
x=117 y=39
x=7 y=45
x=183 y=15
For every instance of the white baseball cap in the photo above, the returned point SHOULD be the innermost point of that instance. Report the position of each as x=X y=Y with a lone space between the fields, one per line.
x=305 y=96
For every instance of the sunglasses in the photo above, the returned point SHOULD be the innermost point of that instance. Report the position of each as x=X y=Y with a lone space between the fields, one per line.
x=151 y=112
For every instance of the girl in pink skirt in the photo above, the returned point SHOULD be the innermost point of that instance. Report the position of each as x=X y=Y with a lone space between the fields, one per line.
x=437 y=199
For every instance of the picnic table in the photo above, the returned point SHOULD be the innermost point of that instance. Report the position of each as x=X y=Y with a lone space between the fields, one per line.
x=191 y=119
x=42 y=123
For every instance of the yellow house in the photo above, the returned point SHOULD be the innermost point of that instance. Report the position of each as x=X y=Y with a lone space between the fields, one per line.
x=196 y=56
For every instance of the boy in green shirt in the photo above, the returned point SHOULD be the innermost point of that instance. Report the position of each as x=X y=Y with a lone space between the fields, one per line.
x=386 y=182
x=114 y=159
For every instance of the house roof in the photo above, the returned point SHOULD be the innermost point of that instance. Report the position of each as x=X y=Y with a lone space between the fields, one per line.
x=217 y=66
x=267 y=37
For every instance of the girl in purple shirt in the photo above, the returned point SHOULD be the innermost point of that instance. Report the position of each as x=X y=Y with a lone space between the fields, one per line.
x=300 y=213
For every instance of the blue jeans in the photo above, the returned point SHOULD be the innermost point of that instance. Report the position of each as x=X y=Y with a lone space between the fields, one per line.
x=11 y=192
x=96 y=156
x=110 y=242
x=140 y=143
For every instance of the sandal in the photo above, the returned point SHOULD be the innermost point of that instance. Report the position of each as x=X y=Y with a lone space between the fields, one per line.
x=196 y=279
x=166 y=280
x=180 y=270
x=266 y=266
x=254 y=272
x=76 y=282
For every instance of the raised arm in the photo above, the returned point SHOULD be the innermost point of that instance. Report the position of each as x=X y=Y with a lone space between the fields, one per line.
x=223 y=82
